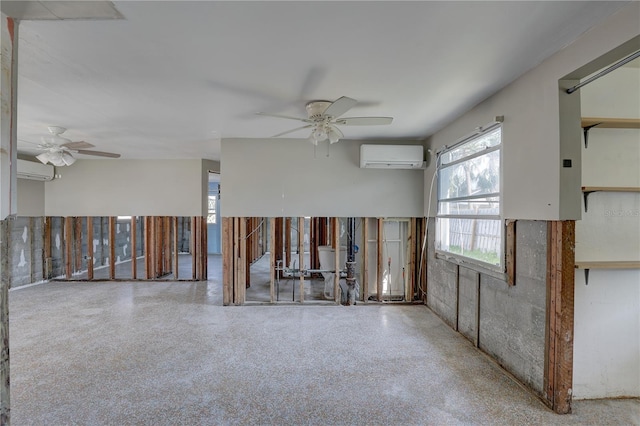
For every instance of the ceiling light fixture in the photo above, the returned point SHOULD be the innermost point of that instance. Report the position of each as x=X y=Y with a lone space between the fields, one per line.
x=57 y=158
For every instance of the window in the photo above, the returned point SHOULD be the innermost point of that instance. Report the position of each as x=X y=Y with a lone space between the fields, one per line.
x=211 y=213
x=468 y=222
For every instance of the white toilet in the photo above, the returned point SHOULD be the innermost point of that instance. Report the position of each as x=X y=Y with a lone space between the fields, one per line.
x=327 y=262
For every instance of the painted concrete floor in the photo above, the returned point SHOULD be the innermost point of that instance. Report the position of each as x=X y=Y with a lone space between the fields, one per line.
x=167 y=353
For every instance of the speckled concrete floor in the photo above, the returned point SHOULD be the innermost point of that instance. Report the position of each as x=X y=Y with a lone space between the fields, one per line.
x=167 y=353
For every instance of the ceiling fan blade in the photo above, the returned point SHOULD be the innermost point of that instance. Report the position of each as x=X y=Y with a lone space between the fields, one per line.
x=340 y=106
x=363 y=121
x=78 y=145
x=292 y=130
x=306 y=120
x=97 y=153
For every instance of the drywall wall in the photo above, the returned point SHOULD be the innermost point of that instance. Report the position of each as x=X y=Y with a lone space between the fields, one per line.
x=533 y=185
x=30 y=197
x=607 y=310
x=127 y=187
x=291 y=177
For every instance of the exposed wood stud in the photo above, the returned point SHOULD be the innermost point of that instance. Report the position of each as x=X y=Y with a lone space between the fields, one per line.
x=68 y=246
x=365 y=259
x=112 y=247
x=227 y=261
x=176 y=258
x=134 y=247
x=301 y=255
x=287 y=241
x=247 y=252
x=560 y=297
x=145 y=239
x=242 y=282
x=90 y=248
x=77 y=243
x=272 y=258
x=380 y=263
x=336 y=244
x=192 y=248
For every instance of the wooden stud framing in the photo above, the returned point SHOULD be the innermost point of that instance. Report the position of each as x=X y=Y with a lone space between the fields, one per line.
x=112 y=247
x=558 y=378
x=89 y=248
x=147 y=248
x=134 y=247
x=68 y=247
x=380 y=275
x=272 y=258
x=192 y=248
x=336 y=243
x=243 y=265
x=365 y=259
x=301 y=256
x=247 y=252
x=227 y=261
x=176 y=258
x=77 y=243
x=287 y=242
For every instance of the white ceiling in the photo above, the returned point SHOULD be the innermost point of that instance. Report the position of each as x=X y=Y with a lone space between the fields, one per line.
x=172 y=78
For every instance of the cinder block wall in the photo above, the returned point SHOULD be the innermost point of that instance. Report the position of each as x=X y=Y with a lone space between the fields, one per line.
x=507 y=322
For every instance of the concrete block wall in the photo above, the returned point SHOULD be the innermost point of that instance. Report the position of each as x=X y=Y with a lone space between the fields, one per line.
x=511 y=326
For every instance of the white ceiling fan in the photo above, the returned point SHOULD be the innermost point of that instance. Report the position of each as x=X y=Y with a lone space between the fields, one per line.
x=58 y=150
x=324 y=119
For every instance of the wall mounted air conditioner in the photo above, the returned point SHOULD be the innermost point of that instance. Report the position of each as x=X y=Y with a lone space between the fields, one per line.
x=391 y=156
x=34 y=171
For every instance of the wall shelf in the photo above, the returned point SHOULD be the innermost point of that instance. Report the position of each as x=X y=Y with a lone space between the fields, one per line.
x=606 y=264
x=587 y=190
x=607 y=123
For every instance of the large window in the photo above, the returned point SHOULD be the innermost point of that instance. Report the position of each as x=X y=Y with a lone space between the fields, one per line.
x=468 y=222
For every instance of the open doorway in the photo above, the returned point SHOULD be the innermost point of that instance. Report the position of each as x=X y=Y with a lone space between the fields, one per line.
x=214 y=228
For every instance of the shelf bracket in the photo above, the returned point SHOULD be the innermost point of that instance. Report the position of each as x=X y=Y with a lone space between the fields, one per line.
x=586 y=134
x=586 y=194
x=586 y=276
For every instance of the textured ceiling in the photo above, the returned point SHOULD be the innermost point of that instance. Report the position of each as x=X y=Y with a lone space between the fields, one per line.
x=172 y=78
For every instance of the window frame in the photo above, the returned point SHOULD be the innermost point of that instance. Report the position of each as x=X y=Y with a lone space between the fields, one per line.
x=457 y=257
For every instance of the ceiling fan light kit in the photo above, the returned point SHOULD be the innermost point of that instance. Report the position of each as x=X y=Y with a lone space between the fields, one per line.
x=323 y=120
x=56 y=158
x=58 y=149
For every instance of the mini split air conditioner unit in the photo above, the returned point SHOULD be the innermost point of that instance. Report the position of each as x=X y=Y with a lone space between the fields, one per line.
x=391 y=156
x=34 y=171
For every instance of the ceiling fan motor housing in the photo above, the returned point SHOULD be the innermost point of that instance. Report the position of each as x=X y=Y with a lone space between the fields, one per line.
x=316 y=109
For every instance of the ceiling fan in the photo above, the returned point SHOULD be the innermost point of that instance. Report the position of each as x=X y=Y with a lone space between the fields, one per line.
x=324 y=119
x=58 y=149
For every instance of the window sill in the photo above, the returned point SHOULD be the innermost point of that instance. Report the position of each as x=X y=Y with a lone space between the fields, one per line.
x=496 y=272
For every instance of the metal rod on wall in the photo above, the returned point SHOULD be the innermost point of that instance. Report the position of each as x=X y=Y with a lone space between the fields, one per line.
x=604 y=72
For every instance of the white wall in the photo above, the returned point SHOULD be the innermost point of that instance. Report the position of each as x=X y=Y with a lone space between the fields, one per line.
x=127 y=187
x=534 y=183
x=285 y=177
x=607 y=310
x=30 y=198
